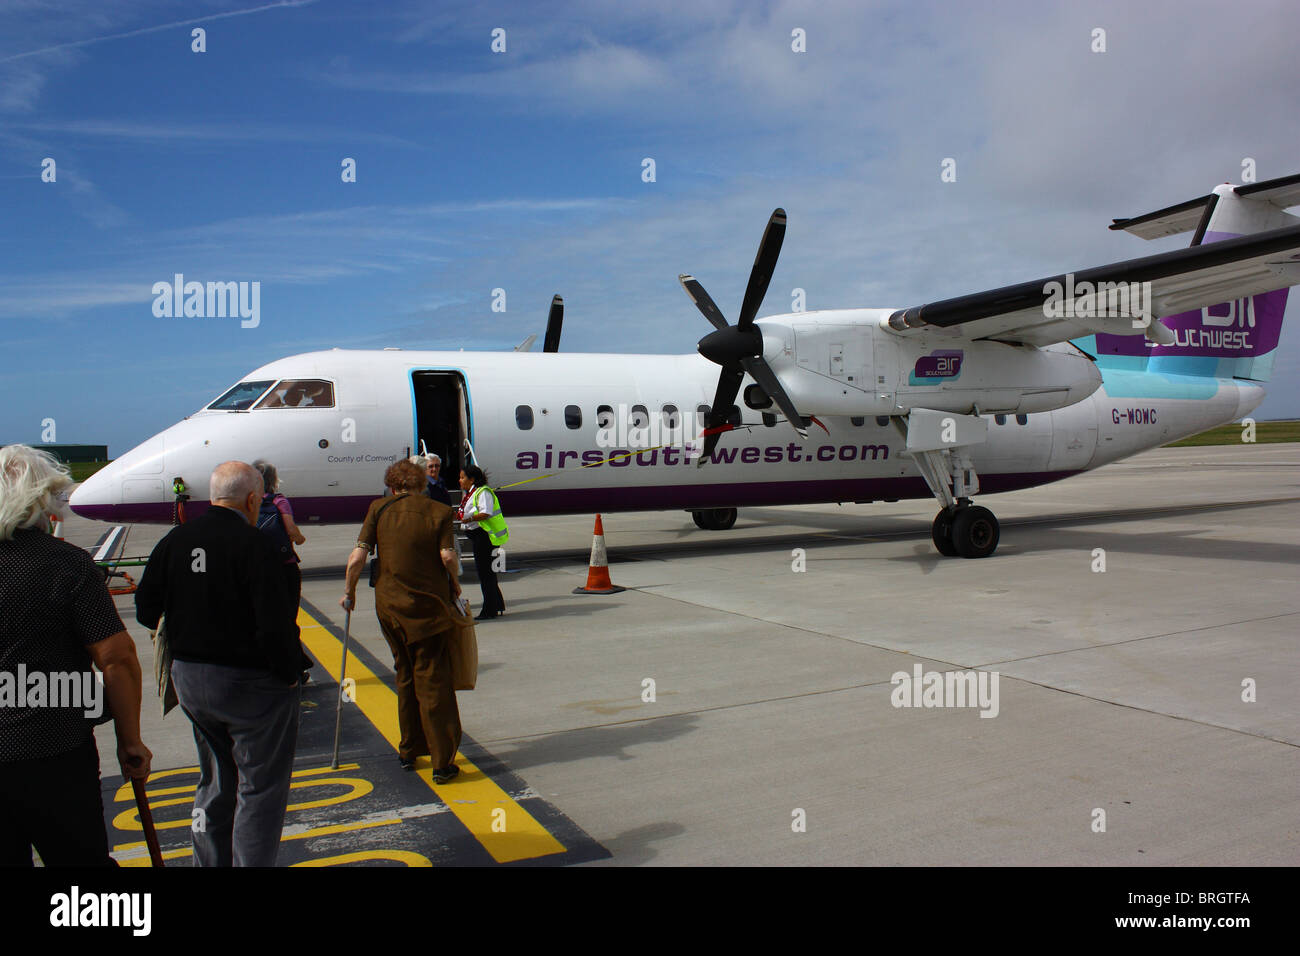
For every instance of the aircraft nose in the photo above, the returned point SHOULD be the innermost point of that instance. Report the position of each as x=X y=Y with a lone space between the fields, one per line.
x=97 y=495
x=126 y=489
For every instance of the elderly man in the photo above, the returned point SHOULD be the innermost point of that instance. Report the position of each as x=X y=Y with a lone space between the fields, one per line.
x=236 y=661
x=56 y=617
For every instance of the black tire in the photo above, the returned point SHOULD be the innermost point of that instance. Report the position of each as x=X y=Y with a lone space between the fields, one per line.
x=715 y=519
x=941 y=534
x=723 y=518
x=975 y=532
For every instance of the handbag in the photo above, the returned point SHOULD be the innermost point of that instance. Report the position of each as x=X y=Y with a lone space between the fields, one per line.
x=374 y=562
x=462 y=646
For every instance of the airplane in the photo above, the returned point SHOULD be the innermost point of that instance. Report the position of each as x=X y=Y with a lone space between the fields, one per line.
x=985 y=393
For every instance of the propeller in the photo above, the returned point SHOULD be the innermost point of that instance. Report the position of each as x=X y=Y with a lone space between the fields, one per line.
x=553 y=323
x=739 y=348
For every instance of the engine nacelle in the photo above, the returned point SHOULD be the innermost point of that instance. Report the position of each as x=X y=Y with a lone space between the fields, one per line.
x=845 y=363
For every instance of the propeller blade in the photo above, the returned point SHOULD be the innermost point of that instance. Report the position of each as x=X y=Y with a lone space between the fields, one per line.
x=764 y=265
x=553 y=323
x=702 y=301
x=762 y=373
x=720 y=411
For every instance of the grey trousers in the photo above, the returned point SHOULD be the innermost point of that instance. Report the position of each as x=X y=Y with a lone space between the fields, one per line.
x=246 y=729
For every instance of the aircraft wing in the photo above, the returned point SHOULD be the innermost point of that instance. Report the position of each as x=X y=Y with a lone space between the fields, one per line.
x=1068 y=306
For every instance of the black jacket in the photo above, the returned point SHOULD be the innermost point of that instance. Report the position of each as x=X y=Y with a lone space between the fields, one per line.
x=219 y=581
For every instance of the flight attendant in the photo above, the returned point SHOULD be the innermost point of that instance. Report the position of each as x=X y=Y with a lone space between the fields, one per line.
x=486 y=529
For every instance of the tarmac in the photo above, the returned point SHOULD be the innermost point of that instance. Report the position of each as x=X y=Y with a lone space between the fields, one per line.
x=730 y=708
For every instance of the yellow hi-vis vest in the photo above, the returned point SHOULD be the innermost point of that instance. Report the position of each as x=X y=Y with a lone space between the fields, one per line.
x=495 y=525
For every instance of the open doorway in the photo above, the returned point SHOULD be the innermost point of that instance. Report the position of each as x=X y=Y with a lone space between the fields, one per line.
x=442 y=420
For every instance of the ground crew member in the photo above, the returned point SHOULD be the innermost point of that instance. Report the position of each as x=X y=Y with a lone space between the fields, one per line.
x=486 y=529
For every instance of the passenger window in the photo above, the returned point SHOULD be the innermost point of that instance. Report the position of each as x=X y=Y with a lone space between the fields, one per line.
x=1000 y=419
x=524 y=417
x=1022 y=419
x=300 y=393
x=241 y=397
x=703 y=412
x=640 y=417
x=882 y=420
x=572 y=416
x=604 y=417
x=672 y=417
x=858 y=419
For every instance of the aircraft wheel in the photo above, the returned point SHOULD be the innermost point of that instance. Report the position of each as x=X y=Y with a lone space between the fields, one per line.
x=941 y=534
x=715 y=519
x=975 y=532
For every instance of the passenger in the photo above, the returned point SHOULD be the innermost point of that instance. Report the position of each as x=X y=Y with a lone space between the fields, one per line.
x=236 y=666
x=435 y=488
x=56 y=618
x=486 y=529
x=413 y=601
x=314 y=394
x=275 y=519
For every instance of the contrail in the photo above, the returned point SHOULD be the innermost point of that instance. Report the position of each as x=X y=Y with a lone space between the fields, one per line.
x=165 y=26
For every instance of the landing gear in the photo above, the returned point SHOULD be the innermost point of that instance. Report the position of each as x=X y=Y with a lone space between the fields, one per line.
x=715 y=519
x=966 y=530
x=941 y=534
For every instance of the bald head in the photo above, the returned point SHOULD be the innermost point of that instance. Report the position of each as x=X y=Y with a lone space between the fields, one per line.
x=238 y=486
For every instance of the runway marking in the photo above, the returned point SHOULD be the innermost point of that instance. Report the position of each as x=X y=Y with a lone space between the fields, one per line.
x=505 y=829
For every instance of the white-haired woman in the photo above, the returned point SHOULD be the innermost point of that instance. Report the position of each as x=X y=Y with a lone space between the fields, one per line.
x=431 y=465
x=56 y=619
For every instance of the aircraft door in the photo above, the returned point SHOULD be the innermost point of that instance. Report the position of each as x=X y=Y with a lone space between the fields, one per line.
x=442 y=419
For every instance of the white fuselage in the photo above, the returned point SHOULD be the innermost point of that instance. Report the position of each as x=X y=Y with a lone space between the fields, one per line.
x=331 y=460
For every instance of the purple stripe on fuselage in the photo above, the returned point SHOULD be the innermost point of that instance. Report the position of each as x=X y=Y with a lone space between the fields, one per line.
x=526 y=502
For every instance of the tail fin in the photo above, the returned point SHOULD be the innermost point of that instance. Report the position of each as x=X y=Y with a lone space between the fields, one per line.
x=1233 y=339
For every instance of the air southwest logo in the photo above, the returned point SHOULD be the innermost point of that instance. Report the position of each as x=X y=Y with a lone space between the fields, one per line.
x=949 y=689
x=1219 y=332
x=213 y=300
x=939 y=366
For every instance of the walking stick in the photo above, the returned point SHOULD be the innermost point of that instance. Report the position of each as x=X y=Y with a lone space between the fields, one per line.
x=146 y=820
x=338 y=704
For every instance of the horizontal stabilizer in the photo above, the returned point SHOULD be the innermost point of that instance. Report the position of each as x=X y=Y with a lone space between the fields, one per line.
x=1195 y=213
x=1169 y=221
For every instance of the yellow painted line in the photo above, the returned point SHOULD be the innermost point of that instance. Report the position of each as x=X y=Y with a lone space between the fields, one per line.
x=304 y=835
x=399 y=856
x=143 y=859
x=507 y=831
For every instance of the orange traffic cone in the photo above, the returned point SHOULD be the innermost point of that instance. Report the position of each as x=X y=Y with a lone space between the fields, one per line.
x=598 y=581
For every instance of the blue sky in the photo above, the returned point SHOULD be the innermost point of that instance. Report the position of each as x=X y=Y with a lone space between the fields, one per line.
x=522 y=170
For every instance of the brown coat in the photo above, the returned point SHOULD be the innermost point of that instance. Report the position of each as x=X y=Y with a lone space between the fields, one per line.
x=413 y=585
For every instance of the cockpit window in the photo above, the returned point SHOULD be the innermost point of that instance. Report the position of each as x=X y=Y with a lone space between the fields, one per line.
x=241 y=397
x=300 y=393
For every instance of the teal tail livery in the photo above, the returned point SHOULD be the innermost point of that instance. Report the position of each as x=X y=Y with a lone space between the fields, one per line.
x=1235 y=339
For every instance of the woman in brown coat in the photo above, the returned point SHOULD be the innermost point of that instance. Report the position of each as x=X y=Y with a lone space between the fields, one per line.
x=413 y=597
